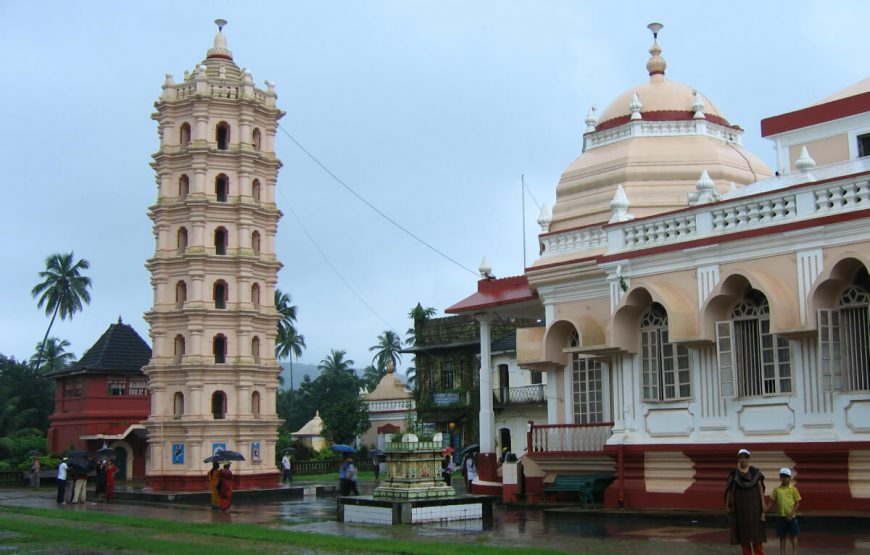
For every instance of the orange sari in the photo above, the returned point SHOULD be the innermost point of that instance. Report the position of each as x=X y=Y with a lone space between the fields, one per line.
x=226 y=489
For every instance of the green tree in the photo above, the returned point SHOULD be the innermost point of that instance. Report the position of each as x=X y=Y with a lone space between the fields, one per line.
x=54 y=354
x=372 y=376
x=420 y=313
x=335 y=363
x=345 y=419
x=62 y=290
x=26 y=402
x=288 y=343
x=387 y=351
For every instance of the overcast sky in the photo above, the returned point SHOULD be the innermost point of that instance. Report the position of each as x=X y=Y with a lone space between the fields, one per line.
x=432 y=110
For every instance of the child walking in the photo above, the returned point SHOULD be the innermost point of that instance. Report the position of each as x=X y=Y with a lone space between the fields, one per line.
x=787 y=498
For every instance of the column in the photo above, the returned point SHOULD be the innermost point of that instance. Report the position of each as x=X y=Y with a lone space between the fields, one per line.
x=488 y=458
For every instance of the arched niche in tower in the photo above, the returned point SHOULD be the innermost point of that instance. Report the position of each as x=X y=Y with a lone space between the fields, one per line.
x=222 y=187
x=255 y=295
x=220 y=241
x=255 y=349
x=222 y=135
x=181 y=242
x=256 y=190
x=257 y=139
x=220 y=294
x=180 y=293
x=255 y=242
x=219 y=405
x=179 y=348
x=183 y=186
x=178 y=404
x=219 y=349
x=184 y=134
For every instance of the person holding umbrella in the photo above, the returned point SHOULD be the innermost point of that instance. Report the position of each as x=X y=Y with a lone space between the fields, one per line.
x=214 y=481
x=447 y=465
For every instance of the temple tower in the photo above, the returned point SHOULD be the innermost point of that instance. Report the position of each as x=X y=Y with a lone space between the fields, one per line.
x=213 y=374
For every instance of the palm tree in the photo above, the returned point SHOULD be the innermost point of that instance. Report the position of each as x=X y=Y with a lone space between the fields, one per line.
x=54 y=353
x=387 y=350
x=288 y=343
x=336 y=363
x=372 y=376
x=62 y=290
x=420 y=313
x=411 y=377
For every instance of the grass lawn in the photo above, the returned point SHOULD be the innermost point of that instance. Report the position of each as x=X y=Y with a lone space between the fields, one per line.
x=362 y=476
x=38 y=531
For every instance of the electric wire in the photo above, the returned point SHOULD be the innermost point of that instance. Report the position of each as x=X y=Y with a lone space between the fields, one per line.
x=370 y=205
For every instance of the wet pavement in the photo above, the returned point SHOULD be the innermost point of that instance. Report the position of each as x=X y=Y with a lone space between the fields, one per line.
x=565 y=528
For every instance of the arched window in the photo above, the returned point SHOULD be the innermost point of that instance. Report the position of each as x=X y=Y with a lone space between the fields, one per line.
x=255 y=403
x=219 y=348
x=179 y=348
x=182 y=240
x=219 y=405
x=180 y=293
x=220 y=294
x=255 y=190
x=183 y=186
x=255 y=242
x=255 y=137
x=752 y=360
x=255 y=295
x=844 y=338
x=222 y=187
x=178 y=404
x=184 y=137
x=222 y=135
x=220 y=241
x=664 y=365
x=255 y=349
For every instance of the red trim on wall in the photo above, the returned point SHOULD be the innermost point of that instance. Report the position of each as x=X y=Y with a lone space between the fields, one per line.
x=813 y=115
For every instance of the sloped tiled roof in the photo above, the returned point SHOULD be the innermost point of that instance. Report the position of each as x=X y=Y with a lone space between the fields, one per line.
x=119 y=350
x=505 y=344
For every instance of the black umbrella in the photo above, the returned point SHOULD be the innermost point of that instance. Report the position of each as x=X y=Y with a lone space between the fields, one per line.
x=223 y=455
x=468 y=449
x=288 y=450
x=79 y=454
x=376 y=453
x=106 y=453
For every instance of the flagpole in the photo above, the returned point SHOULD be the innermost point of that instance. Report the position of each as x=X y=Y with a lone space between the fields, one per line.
x=523 y=194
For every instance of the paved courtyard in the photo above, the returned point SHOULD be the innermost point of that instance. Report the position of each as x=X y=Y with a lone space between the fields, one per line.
x=564 y=528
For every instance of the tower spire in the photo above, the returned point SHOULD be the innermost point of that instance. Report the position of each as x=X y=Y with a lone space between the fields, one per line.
x=656 y=65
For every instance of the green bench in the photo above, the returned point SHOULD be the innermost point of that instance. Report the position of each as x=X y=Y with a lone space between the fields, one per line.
x=589 y=488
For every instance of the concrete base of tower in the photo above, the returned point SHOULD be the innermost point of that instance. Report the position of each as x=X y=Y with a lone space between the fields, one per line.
x=180 y=482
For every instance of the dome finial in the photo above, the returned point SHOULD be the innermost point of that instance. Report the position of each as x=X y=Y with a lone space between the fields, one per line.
x=656 y=64
x=220 y=50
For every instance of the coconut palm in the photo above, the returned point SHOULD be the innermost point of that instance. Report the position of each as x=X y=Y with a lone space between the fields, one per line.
x=387 y=351
x=372 y=376
x=54 y=354
x=62 y=291
x=288 y=343
x=420 y=313
x=335 y=363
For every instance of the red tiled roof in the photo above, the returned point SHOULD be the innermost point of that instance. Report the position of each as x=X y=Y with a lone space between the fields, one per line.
x=813 y=115
x=495 y=292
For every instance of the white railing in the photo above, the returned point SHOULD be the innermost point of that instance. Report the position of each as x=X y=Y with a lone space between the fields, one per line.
x=574 y=241
x=656 y=232
x=680 y=128
x=768 y=204
x=569 y=438
x=391 y=405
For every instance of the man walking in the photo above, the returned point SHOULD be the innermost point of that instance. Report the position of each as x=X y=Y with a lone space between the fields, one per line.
x=288 y=469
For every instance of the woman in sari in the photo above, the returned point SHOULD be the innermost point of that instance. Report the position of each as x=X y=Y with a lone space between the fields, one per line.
x=214 y=480
x=226 y=488
x=110 y=470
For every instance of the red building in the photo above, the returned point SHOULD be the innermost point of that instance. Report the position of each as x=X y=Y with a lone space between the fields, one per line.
x=101 y=400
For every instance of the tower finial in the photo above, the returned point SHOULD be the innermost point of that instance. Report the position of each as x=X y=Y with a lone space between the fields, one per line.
x=220 y=50
x=656 y=64
x=220 y=23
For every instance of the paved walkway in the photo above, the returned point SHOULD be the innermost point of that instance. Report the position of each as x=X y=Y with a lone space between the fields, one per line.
x=568 y=529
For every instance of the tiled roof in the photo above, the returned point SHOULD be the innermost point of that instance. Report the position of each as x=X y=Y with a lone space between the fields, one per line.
x=119 y=350
x=505 y=344
x=495 y=292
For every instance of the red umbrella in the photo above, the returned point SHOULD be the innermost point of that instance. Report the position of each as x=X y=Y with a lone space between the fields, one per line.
x=449 y=450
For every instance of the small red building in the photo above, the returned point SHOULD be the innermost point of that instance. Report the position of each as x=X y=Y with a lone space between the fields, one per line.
x=101 y=400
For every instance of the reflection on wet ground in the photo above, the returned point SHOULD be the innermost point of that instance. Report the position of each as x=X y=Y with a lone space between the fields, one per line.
x=568 y=529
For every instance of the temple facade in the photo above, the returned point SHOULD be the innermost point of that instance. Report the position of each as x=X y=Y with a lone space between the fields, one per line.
x=697 y=303
x=213 y=375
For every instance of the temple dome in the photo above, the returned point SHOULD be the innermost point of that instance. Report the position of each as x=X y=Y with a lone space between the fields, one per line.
x=655 y=140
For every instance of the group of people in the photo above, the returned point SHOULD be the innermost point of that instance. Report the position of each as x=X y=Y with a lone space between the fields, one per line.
x=220 y=486
x=72 y=481
x=469 y=469
x=747 y=506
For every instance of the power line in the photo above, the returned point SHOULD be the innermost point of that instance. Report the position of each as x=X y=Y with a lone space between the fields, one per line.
x=332 y=266
x=370 y=205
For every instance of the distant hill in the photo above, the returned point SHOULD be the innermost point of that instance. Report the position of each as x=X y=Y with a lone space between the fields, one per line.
x=300 y=370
